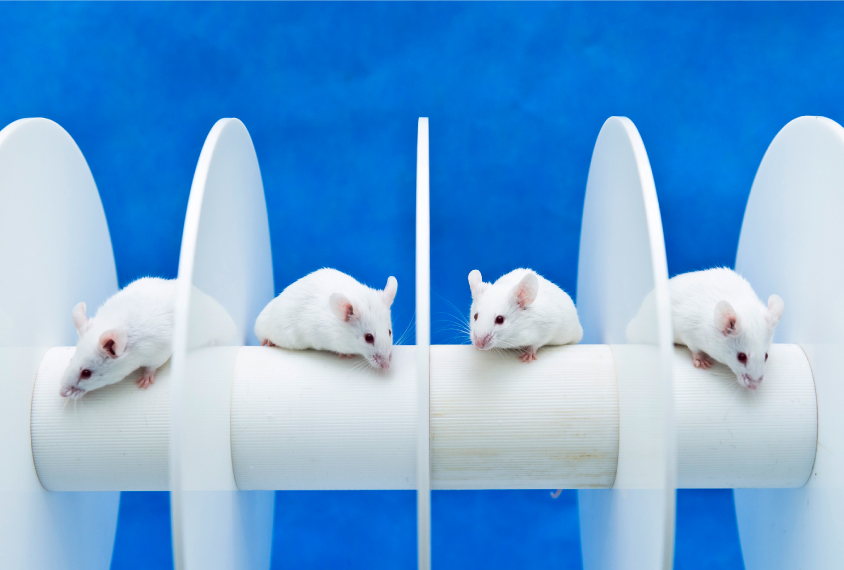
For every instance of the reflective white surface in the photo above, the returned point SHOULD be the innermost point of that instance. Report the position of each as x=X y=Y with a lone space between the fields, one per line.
x=622 y=259
x=792 y=244
x=225 y=279
x=55 y=251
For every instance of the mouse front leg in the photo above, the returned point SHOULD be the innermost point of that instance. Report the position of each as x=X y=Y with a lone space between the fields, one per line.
x=341 y=355
x=701 y=359
x=268 y=342
x=528 y=354
x=147 y=377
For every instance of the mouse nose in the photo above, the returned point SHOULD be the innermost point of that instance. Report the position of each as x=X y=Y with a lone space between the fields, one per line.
x=482 y=342
x=71 y=392
x=752 y=383
x=382 y=361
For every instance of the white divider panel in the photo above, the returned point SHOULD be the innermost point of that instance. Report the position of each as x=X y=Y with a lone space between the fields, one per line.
x=423 y=349
x=622 y=258
x=225 y=279
x=792 y=244
x=55 y=251
x=306 y=420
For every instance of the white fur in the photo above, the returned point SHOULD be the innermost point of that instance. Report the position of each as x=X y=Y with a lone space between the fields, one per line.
x=536 y=313
x=311 y=313
x=141 y=317
x=139 y=321
x=717 y=313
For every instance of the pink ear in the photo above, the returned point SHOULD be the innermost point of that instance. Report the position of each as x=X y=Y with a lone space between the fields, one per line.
x=527 y=289
x=341 y=306
x=775 y=307
x=726 y=319
x=79 y=318
x=476 y=284
x=389 y=292
x=113 y=342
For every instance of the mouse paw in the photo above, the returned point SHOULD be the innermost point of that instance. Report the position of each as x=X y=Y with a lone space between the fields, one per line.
x=268 y=342
x=147 y=378
x=341 y=355
x=556 y=493
x=701 y=360
x=528 y=354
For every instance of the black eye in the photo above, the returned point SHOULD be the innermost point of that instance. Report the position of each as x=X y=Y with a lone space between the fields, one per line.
x=499 y=320
x=476 y=316
x=766 y=357
x=85 y=374
x=391 y=332
x=742 y=357
x=369 y=338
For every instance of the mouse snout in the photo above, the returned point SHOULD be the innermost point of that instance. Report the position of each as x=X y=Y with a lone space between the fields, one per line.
x=72 y=392
x=482 y=342
x=751 y=383
x=382 y=361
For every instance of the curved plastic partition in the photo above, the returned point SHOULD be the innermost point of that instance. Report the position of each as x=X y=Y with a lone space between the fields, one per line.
x=423 y=349
x=622 y=259
x=55 y=251
x=225 y=279
x=792 y=244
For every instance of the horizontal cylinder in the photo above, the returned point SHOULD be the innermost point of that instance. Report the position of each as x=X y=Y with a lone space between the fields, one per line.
x=309 y=420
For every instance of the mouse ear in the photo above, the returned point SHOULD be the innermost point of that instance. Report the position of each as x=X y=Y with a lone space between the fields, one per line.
x=80 y=320
x=389 y=292
x=476 y=284
x=341 y=307
x=775 y=308
x=726 y=319
x=113 y=342
x=526 y=290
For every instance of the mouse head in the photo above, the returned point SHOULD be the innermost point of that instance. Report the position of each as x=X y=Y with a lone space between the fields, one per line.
x=98 y=360
x=744 y=338
x=368 y=322
x=497 y=310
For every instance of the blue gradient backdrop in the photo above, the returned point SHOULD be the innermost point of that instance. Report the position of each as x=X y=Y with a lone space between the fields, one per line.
x=516 y=94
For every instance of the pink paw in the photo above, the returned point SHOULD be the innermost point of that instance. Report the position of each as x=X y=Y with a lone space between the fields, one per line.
x=268 y=342
x=556 y=494
x=147 y=378
x=528 y=354
x=701 y=360
x=346 y=355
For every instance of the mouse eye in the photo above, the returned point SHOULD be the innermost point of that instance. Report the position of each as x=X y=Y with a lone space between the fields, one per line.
x=499 y=320
x=766 y=357
x=391 y=332
x=85 y=374
x=742 y=357
x=476 y=316
x=369 y=338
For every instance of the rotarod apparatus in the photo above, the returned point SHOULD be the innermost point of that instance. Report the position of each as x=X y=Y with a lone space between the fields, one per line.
x=225 y=426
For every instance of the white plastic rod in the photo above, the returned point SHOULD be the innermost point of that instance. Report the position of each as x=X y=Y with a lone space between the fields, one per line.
x=792 y=244
x=307 y=420
x=55 y=251
x=423 y=349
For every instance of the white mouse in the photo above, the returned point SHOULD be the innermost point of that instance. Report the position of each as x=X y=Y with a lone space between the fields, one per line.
x=134 y=329
x=329 y=310
x=521 y=310
x=718 y=316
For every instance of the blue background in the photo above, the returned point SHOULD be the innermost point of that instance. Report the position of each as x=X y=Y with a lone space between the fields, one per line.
x=516 y=95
